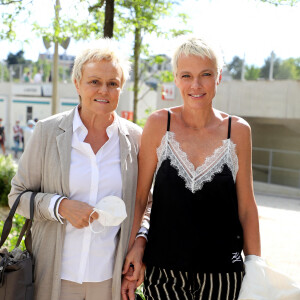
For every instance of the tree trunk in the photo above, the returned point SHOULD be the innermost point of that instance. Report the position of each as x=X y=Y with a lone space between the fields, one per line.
x=109 y=18
x=137 y=51
x=55 y=103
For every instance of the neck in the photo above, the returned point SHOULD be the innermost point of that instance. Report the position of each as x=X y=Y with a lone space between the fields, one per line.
x=95 y=122
x=196 y=119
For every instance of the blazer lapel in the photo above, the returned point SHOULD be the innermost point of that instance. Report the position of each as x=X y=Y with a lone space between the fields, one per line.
x=126 y=159
x=64 y=146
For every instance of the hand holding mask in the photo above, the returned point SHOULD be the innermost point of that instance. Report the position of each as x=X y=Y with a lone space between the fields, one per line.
x=111 y=210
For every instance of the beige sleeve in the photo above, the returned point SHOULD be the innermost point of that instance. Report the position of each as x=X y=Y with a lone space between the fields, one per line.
x=29 y=177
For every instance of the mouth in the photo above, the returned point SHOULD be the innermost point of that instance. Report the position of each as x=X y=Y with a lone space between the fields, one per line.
x=197 y=96
x=101 y=100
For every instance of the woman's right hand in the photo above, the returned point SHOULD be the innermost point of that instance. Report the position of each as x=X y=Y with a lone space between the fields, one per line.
x=135 y=258
x=77 y=213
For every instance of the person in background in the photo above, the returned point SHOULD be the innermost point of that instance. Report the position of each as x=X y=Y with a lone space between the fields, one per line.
x=27 y=77
x=38 y=77
x=204 y=213
x=18 y=136
x=73 y=160
x=2 y=137
x=28 y=131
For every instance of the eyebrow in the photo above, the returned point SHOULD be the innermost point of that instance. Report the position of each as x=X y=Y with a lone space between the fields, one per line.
x=95 y=76
x=205 y=70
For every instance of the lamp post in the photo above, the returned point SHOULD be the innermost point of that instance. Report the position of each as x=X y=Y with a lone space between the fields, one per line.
x=271 y=70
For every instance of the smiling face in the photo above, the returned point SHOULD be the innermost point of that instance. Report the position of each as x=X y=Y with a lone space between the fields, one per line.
x=99 y=87
x=197 y=80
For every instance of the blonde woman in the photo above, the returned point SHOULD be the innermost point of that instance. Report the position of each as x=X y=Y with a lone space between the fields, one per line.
x=204 y=212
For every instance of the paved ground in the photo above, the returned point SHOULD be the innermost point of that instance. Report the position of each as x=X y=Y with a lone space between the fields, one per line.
x=280 y=233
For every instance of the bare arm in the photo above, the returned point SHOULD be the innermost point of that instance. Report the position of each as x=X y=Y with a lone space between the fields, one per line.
x=147 y=160
x=151 y=139
x=248 y=212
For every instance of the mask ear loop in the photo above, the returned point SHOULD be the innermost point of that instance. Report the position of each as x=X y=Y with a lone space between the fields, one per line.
x=90 y=224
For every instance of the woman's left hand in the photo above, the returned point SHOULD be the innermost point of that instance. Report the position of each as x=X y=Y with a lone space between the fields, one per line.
x=135 y=258
x=129 y=287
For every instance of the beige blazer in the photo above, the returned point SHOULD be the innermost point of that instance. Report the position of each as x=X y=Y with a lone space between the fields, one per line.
x=44 y=167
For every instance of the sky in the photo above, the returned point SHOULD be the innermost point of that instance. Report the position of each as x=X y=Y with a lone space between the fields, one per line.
x=246 y=28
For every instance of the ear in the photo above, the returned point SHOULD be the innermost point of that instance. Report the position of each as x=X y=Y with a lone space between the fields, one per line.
x=175 y=79
x=76 y=85
x=220 y=78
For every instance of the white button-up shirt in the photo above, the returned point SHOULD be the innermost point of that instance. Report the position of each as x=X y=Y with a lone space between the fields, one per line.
x=87 y=256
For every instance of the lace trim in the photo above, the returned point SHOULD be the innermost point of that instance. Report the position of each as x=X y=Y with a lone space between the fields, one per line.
x=213 y=164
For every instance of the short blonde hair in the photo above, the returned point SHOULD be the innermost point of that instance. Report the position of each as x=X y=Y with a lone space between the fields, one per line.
x=191 y=45
x=103 y=49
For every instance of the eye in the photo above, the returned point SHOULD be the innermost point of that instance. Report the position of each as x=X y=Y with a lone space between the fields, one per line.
x=94 y=82
x=185 y=76
x=113 y=84
x=206 y=74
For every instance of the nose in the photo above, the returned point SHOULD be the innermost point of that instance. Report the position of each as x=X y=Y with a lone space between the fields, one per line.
x=102 y=89
x=196 y=83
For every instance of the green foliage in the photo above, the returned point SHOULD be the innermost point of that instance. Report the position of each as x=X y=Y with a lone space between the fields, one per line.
x=12 y=239
x=281 y=2
x=139 y=291
x=252 y=73
x=14 y=59
x=165 y=76
x=8 y=169
x=288 y=69
x=4 y=74
x=266 y=67
x=10 y=16
x=142 y=122
x=235 y=67
x=282 y=69
x=141 y=17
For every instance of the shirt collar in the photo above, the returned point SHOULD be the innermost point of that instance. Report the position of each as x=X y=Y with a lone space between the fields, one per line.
x=79 y=126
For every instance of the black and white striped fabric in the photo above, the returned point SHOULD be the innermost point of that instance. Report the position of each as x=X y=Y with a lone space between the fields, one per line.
x=164 y=284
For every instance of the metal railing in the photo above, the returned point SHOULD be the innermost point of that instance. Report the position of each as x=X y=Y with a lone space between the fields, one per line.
x=276 y=166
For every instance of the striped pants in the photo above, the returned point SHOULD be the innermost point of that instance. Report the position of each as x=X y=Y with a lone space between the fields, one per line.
x=164 y=284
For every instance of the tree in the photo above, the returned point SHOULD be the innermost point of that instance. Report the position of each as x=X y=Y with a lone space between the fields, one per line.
x=235 y=67
x=281 y=2
x=141 y=17
x=252 y=73
x=14 y=59
x=17 y=64
x=264 y=72
x=9 y=17
x=288 y=70
x=108 y=28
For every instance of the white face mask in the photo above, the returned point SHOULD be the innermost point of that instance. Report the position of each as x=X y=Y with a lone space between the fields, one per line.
x=111 y=210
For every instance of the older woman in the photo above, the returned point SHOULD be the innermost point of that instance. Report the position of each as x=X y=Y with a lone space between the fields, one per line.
x=204 y=212
x=75 y=159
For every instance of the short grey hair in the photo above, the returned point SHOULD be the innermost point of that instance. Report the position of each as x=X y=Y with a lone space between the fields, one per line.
x=103 y=49
x=192 y=45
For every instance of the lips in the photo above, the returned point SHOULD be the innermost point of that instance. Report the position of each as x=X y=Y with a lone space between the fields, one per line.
x=197 y=96
x=101 y=100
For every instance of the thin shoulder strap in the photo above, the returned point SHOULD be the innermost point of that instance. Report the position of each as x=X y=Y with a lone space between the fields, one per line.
x=229 y=127
x=169 y=120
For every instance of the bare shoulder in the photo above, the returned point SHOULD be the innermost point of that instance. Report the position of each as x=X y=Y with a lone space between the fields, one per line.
x=156 y=126
x=240 y=132
x=157 y=120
